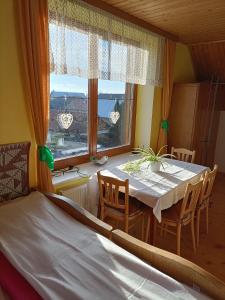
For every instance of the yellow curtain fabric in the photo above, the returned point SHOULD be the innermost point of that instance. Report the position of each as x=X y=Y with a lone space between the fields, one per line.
x=168 y=72
x=32 y=17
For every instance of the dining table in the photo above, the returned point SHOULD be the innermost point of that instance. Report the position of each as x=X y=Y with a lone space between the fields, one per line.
x=158 y=190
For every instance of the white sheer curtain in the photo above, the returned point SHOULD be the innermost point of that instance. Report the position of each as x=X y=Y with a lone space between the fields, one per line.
x=91 y=43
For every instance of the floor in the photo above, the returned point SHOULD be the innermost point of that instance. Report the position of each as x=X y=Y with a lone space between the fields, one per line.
x=211 y=250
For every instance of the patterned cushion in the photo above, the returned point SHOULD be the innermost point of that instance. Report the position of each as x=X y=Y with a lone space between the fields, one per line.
x=14 y=175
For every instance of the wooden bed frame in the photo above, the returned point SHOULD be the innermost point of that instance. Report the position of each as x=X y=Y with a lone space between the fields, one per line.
x=171 y=264
x=80 y=214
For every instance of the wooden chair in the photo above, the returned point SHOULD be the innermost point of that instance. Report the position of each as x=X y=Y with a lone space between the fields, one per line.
x=183 y=154
x=203 y=203
x=182 y=213
x=116 y=204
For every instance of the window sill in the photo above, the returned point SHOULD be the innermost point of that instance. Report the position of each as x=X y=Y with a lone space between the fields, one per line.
x=89 y=169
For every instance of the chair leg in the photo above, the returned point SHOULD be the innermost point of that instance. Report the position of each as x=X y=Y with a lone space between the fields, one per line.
x=154 y=231
x=207 y=219
x=193 y=234
x=101 y=213
x=126 y=225
x=165 y=230
x=99 y=210
x=117 y=224
x=147 y=230
x=162 y=229
x=142 y=228
x=178 y=238
x=197 y=226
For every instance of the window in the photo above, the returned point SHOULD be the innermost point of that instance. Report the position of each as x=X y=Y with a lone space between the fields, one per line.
x=82 y=124
x=115 y=104
x=96 y=114
x=68 y=126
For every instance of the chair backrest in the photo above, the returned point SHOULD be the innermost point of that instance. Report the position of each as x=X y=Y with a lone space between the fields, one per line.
x=190 y=200
x=208 y=184
x=183 y=154
x=109 y=189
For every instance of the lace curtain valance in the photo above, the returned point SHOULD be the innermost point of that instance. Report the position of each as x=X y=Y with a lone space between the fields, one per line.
x=88 y=42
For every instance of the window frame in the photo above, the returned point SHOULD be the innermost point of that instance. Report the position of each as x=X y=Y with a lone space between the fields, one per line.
x=92 y=131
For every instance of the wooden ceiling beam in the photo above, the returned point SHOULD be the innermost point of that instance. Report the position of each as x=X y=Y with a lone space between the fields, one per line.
x=206 y=43
x=123 y=15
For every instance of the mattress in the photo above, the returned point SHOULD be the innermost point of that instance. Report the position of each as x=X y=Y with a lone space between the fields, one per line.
x=63 y=259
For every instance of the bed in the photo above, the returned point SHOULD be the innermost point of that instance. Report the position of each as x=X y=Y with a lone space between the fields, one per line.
x=53 y=249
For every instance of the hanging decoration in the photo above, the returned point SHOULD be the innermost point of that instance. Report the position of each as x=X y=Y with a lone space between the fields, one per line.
x=65 y=119
x=114 y=116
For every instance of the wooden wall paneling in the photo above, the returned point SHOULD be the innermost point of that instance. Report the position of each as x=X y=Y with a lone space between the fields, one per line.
x=213 y=139
x=219 y=94
x=209 y=60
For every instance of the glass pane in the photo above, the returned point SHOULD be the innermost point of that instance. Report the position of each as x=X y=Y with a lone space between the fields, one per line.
x=115 y=104
x=68 y=126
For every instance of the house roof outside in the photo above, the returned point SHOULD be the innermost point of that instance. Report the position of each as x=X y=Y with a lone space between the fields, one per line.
x=106 y=102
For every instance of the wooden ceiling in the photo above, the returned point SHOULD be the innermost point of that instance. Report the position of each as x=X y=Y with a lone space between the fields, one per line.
x=192 y=21
x=209 y=61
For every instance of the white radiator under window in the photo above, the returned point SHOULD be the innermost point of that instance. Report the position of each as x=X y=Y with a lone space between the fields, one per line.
x=79 y=194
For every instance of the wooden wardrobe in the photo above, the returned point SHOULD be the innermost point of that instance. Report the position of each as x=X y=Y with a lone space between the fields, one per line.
x=192 y=120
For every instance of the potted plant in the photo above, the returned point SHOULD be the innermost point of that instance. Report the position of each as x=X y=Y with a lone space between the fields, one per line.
x=153 y=160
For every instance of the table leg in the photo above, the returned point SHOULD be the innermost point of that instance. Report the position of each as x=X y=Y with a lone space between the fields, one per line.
x=152 y=229
x=150 y=226
x=99 y=210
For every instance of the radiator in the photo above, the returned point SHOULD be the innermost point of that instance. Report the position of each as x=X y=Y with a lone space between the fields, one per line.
x=78 y=194
x=81 y=195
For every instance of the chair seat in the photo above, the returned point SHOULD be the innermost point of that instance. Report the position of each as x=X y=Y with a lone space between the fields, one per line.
x=172 y=213
x=135 y=208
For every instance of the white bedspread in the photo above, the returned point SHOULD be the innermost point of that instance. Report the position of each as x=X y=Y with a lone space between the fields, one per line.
x=63 y=259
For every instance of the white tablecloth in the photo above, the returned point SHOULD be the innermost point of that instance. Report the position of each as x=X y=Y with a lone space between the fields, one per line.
x=159 y=190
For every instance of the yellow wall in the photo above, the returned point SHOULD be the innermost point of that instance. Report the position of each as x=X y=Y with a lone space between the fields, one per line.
x=183 y=72
x=14 y=122
x=145 y=98
x=183 y=69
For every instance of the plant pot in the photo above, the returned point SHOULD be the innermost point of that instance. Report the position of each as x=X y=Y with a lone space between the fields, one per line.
x=155 y=166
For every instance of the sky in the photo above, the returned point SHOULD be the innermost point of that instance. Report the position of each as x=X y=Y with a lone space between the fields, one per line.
x=68 y=83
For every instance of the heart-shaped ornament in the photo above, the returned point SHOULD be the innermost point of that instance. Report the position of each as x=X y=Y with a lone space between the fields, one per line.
x=65 y=120
x=114 y=116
